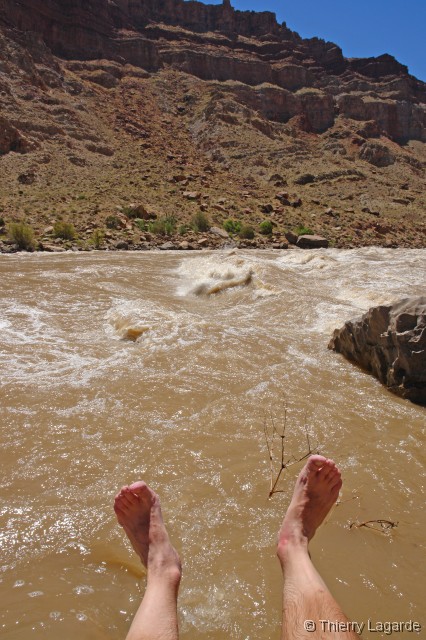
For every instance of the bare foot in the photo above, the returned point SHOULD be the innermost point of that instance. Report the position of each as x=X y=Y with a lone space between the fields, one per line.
x=315 y=492
x=138 y=511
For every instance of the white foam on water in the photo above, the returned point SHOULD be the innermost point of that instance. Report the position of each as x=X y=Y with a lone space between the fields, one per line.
x=227 y=274
x=23 y=324
x=344 y=284
x=312 y=259
x=36 y=347
x=214 y=273
x=150 y=325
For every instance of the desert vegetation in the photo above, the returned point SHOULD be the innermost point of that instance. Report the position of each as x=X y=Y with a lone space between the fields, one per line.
x=200 y=222
x=22 y=234
x=64 y=230
x=266 y=227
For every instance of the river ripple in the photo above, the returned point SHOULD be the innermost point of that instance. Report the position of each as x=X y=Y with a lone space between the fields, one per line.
x=165 y=367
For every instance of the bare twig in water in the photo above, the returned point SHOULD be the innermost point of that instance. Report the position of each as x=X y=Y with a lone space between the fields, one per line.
x=271 y=435
x=354 y=496
x=384 y=525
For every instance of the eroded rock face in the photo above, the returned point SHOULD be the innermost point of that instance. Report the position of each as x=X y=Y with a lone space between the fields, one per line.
x=389 y=341
x=11 y=139
x=217 y=42
x=399 y=119
x=377 y=154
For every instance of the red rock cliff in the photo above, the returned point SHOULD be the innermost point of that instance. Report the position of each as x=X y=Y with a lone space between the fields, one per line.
x=216 y=42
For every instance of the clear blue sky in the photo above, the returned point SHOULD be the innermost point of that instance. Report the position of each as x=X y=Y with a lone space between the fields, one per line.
x=362 y=28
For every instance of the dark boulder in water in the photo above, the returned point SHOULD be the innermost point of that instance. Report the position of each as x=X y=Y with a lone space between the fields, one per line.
x=312 y=242
x=389 y=341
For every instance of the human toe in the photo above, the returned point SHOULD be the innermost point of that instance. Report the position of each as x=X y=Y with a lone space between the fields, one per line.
x=336 y=481
x=315 y=463
x=327 y=470
x=138 y=486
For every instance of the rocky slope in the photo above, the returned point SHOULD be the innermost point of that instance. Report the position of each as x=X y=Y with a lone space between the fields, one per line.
x=183 y=107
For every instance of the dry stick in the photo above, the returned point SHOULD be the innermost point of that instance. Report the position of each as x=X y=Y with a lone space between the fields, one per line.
x=385 y=525
x=291 y=460
x=271 y=445
x=355 y=496
x=269 y=448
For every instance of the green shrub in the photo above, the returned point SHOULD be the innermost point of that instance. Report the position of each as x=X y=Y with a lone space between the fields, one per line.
x=169 y=226
x=184 y=228
x=164 y=226
x=265 y=228
x=64 y=230
x=200 y=222
x=22 y=235
x=141 y=224
x=232 y=226
x=130 y=212
x=113 y=222
x=97 y=238
x=246 y=232
x=1 y=222
x=301 y=230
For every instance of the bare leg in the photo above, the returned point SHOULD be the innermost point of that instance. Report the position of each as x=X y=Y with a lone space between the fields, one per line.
x=138 y=511
x=305 y=595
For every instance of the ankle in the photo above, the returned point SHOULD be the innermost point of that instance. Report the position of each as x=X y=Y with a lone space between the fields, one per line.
x=169 y=574
x=290 y=548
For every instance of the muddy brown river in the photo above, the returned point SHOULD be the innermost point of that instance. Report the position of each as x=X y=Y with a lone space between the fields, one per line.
x=166 y=367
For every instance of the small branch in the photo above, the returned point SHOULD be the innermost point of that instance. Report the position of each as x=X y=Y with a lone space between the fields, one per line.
x=354 y=496
x=384 y=525
x=284 y=464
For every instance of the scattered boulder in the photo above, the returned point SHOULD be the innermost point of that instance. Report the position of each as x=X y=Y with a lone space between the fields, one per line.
x=278 y=180
x=220 y=207
x=329 y=212
x=102 y=149
x=283 y=197
x=371 y=211
x=122 y=245
x=291 y=237
x=280 y=245
x=135 y=210
x=312 y=242
x=77 y=160
x=377 y=154
x=401 y=200
x=305 y=178
x=217 y=231
x=192 y=195
x=179 y=177
x=50 y=248
x=167 y=246
x=27 y=178
x=389 y=341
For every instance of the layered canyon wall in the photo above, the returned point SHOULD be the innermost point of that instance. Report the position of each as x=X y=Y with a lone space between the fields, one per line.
x=310 y=77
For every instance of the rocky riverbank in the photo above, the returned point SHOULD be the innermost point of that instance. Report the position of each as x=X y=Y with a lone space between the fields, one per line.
x=389 y=341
